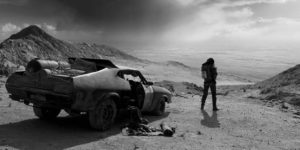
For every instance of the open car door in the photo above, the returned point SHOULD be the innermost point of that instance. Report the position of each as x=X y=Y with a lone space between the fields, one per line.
x=143 y=92
x=148 y=97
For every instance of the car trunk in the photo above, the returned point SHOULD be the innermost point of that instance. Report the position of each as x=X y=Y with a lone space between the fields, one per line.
x=39 y=82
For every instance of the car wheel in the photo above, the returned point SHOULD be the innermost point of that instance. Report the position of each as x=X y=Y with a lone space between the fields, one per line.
x=103 y=116
x=160 y=108
x=45 y=113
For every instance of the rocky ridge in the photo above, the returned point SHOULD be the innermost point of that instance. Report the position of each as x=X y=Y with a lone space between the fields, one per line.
x=33 y=42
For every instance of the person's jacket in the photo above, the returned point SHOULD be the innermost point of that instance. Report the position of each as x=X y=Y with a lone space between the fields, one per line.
x=209 y=73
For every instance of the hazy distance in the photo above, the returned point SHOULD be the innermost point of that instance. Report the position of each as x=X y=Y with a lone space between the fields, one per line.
x=250 y=32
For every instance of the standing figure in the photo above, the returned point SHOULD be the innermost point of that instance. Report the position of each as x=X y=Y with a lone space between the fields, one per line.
x=209 y=74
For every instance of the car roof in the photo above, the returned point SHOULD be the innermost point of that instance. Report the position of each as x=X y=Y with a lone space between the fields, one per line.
x=103 y=63
x=116 y=70
x=125 y=67
x=128 y=70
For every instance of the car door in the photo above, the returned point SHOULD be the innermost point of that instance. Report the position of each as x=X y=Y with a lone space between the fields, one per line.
x=149 y=93
x=148 y=97
x=148 y=90
x=136 y=76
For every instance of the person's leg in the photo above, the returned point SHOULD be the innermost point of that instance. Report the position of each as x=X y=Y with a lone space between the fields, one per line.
x=214 y=95
x=204 y=96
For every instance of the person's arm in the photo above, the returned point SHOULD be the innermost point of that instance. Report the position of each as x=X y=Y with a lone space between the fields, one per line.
x=203 y=73
x=215 y=73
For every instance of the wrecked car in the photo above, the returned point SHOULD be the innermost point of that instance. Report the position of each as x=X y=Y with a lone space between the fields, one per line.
x=96 y=87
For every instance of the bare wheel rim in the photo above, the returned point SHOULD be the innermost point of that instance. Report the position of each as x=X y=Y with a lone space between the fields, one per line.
x=107 y=113
x=103 y=116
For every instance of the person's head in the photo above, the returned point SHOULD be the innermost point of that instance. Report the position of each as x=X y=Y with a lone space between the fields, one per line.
x=210 y=61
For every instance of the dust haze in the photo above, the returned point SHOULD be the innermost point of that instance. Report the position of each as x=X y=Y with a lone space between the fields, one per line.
x=255 y=45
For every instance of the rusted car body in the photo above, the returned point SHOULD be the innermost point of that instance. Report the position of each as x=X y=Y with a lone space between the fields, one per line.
x=97 y=87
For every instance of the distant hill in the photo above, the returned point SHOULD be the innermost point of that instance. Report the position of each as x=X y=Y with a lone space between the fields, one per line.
x=290 y=77
x=180 y=88
x=284 y=87
x=178 y=64
x=33 y=42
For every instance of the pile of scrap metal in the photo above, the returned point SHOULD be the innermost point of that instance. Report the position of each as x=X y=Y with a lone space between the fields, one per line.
x=137 y=126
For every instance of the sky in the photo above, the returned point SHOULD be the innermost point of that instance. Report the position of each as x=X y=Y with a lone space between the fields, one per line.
x=160 y=24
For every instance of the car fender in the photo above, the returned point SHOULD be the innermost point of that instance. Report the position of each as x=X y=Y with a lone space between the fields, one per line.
x=94 y=86
x=159 y=93
x=88 y=100
x=105 y=79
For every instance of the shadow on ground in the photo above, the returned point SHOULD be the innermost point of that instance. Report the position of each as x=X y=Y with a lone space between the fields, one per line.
x=210 y=121
x=64 y=132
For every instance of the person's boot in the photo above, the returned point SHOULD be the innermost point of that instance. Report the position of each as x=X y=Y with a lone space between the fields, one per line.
x=215 y=108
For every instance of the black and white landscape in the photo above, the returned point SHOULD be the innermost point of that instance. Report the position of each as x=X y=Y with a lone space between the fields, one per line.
x=255 y=44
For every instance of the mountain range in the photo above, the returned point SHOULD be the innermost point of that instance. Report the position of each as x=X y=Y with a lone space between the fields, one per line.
x=33 y=42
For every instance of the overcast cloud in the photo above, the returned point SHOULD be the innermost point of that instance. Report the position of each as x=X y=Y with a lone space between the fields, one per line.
x=156 y=23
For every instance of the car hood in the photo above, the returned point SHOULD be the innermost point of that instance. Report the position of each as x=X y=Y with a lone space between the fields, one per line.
x=161 y=90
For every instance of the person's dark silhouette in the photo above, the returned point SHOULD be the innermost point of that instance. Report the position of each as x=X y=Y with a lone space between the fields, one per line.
x=210 y=121
x=209 y=74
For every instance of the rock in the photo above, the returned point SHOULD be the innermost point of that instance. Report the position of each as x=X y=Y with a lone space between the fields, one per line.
x=266 y=91
x=199 y=133
x=181 y=135
x=286 y=105
x=251 y=97
x=271 y=97
x=167 y=130
x=294 y=101
x=297 y=113
x=296 y=117
x=223 y=93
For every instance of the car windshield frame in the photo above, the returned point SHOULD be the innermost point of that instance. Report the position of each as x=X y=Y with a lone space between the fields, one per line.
x=133 y=73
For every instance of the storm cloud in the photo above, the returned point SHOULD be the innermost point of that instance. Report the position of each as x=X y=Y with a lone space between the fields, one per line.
x=140 y=20
x=153 y=22
x=138 y=15
x=129 y=14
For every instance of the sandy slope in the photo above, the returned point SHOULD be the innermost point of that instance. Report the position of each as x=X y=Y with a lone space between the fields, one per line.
x=242 y=123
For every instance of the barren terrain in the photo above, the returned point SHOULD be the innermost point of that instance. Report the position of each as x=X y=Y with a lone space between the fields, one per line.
x=251 y=117
x=242 y=123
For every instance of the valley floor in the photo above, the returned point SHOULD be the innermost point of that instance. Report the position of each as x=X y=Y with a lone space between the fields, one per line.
x=242 y=123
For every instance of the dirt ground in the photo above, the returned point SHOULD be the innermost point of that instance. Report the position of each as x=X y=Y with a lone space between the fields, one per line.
x=242 y=123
